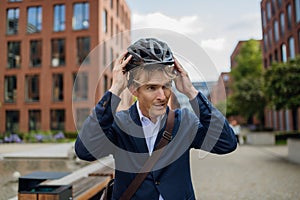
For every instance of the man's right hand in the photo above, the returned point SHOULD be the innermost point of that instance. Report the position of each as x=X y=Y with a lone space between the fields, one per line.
x=119 y=82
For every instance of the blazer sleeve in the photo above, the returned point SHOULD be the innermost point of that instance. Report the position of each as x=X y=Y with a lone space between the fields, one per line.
x=96 y=138
x=214 y=133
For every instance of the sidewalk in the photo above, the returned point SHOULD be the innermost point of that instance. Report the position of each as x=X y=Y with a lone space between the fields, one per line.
x=37 y=150
x=251 y=172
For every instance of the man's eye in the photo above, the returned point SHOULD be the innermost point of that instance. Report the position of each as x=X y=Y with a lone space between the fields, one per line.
x=150 y=88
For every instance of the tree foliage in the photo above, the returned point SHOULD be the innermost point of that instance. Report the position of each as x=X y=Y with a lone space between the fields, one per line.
x=247 y=86
x=282 y=83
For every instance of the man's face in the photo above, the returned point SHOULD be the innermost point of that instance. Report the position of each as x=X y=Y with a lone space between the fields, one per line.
x=153 y=94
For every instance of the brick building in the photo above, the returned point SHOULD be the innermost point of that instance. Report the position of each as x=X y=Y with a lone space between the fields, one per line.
x=44 y=44
x=281 y=42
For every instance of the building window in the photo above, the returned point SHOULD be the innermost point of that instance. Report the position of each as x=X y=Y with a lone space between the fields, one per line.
x=12 y=21
x=283 y=53
x=289 y=16
x=10 y=89
x=117 y=7
x=111 y=58
x=104 y=21
x=83 y=50
x=32 y=88
x=81 y=115
x=297 y=10
x=57 y=119
x=58 y=87
x=263 y=14
x=14 y=54
x=34 y=19
x=292 y=47
x=269 y=14
x=12 y=120
x=34 y=122
x=111 y=26
x=14 y=0
x=265 y=42
x=35 y=53
x=276 y=30
x=104 y=61
x=58 y=52
x=81 y=16
x=270 y=36
x=111 y=4
x=282 y=24
x=59 y=18
x=80 y=90
x=105 y=83
x=279 y=3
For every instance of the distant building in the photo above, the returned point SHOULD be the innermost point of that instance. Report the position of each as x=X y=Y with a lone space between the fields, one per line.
x=281 y=42
x=44 y=44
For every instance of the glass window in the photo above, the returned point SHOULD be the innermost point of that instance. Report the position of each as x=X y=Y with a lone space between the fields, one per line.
x=12 y=21
x=265 y=42
x=104 y=21
x=292 y=47
x=58 y=87
x=289 y=16
x=105 y=83
x=58 y=52
x=283 y=53
x=57 y=119
x=13 y=54
x=34 y=120
x=112 y=4
x=111 y=26
x=10 y=89
x=35 y=53
x=81 y=115
x=32 y=88
x=12 y=120
x=276 y=30
x=34 y=19
x=81 y=16
x=270 y=36
x=59 y=18
x=83 y=49
x=104 y=54
x=80 y=90
x=297 y=10
x=279 y=3
x=263 y=14
x=14 y=0
x=282 y=24
x=269 y=11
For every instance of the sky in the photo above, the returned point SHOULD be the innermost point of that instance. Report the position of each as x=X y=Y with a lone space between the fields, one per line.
x=215 y=25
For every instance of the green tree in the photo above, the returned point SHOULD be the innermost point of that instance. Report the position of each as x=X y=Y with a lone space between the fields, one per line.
x=247 y=85
x=282 y=89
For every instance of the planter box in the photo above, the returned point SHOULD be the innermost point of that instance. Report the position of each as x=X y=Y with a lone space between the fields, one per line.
x=293 y=150
x=261 y=138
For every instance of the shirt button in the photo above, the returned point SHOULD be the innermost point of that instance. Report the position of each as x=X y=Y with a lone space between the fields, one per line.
x=157 y=182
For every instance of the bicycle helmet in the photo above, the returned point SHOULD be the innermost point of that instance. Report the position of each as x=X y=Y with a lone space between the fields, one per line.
x=149 y=51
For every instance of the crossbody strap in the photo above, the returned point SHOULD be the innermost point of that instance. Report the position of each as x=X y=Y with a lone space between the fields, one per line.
x=140 y=177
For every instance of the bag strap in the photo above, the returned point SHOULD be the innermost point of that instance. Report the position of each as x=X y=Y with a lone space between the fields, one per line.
x=140 y=177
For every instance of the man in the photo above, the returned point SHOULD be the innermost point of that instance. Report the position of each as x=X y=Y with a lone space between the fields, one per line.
x=148 y=70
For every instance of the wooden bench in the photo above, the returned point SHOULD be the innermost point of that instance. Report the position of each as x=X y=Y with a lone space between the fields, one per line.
x=85 y=182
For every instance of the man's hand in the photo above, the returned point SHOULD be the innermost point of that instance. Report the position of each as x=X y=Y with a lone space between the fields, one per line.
x=119 y=82
x=183 y=82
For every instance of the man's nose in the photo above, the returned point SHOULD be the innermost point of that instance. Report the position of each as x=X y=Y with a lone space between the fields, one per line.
x=161 y=93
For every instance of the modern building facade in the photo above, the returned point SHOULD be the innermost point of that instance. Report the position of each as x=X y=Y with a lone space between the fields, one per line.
x=281 y=42
x=44 y=43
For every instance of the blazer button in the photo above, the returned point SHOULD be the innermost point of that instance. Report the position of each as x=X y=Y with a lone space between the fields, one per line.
x=157 y=182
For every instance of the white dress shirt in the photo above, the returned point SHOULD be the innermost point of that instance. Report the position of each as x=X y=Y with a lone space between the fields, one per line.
x=150 y=131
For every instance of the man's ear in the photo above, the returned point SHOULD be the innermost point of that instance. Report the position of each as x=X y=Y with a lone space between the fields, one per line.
x=133 y=90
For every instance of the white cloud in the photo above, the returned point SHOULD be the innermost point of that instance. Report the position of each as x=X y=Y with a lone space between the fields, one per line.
x=184 y=25
x=214 y=44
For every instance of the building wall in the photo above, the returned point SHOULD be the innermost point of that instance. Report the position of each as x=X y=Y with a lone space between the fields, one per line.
x=281 y=37
x=117 y=12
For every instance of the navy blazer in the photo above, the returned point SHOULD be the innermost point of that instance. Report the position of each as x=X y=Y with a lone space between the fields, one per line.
x=120 y=133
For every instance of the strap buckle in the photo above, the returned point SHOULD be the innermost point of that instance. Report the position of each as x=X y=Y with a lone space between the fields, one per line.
x=167 y=135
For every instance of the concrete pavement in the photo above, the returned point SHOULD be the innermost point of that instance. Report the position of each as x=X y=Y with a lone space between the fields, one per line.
x=251 y=172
